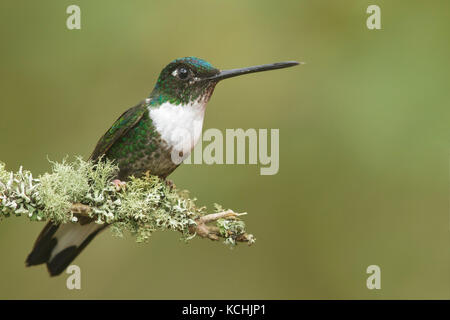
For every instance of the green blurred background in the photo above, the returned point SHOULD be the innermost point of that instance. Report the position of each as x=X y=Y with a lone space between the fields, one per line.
x=364 y=143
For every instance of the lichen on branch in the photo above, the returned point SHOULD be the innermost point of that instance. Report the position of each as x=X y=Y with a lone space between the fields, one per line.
x=144 y=205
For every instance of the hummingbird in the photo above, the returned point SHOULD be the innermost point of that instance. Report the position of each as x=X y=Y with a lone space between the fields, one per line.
x=154 y=136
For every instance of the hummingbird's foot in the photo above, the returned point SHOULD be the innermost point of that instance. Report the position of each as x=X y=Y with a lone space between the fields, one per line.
x=119 y=185
x=170 y=184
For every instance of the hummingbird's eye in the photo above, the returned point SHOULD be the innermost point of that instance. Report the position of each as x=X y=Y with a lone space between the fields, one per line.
x=183 y=73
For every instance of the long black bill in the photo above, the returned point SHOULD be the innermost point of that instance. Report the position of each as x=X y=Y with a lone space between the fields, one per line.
x=265 y=67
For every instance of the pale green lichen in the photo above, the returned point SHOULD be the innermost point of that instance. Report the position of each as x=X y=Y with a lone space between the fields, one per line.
x=145 y=205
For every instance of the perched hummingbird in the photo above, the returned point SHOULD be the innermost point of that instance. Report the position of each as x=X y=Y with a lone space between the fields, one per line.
x=155 y=136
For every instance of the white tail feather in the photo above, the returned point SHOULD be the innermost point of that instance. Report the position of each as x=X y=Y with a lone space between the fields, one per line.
x=72 y=234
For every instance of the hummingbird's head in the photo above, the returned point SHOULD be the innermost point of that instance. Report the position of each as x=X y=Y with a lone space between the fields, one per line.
x=190 y=79
x=184 y=81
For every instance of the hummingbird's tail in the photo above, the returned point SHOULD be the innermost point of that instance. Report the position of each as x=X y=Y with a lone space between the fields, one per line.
x=59 y=244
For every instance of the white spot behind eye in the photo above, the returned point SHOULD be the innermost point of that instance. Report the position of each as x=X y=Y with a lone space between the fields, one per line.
x=175 y=72
x=193 y=80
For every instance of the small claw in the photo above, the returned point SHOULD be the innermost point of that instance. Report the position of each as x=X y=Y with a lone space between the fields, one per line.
x=120 y=185
x=147 y=174
x=170 y=184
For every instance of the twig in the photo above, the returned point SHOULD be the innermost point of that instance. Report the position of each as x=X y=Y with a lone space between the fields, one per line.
x=201 y=228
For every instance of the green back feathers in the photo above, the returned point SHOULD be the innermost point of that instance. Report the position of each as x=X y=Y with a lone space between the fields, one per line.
x=122 y=125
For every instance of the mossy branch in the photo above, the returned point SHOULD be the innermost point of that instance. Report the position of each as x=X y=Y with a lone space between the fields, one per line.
x=84 y=189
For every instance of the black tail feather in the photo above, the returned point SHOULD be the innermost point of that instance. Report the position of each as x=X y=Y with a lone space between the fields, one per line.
x=63 y=259
x=43 y=246
x=48 y=240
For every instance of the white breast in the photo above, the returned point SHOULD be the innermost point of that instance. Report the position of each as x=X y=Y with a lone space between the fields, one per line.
x=179 y=125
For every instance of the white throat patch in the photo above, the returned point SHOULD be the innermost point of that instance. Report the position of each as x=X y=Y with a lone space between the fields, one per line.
x=179 y=125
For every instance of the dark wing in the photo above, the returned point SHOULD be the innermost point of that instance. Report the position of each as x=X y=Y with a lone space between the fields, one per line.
x=122 y=125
